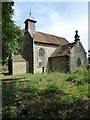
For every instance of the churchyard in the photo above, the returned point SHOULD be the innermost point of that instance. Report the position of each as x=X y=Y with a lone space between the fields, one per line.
x=54 y=96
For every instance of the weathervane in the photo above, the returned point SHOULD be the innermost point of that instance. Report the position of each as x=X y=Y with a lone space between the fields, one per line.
x=30 y=13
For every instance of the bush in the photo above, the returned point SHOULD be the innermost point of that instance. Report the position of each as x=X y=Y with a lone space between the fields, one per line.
x=79 y=77
x=4 y=68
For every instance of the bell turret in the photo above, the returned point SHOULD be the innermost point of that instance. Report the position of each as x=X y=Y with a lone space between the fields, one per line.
x=30 y=24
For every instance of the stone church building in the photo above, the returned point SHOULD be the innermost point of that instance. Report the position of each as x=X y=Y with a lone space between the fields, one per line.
x=42 y=52
x=49 y=53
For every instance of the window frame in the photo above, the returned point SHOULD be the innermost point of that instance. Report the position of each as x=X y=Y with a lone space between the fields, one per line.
x=41 y=58
x=78 y=62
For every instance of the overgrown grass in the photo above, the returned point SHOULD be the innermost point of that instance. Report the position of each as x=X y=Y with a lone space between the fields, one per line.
x=55 y=96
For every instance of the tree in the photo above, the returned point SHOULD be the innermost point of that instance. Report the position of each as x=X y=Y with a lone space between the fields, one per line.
x=11 y=33
x=88 y=56
x=0 y=32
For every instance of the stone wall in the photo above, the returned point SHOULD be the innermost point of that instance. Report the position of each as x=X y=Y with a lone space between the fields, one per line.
x=30 y=52
x=20 y=67
x=58 y=64
x=27 y=50
x=49 y=49
x=77 y=52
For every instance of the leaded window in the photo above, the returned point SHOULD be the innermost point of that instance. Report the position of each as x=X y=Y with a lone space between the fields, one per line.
x=78 y=62
x=41 y=57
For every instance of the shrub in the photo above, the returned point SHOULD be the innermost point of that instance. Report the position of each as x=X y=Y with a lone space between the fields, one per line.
x=4 y=68
x=79 y=77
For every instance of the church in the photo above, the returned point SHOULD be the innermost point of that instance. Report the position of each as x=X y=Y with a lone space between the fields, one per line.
x=49 y=53
x=46 y=53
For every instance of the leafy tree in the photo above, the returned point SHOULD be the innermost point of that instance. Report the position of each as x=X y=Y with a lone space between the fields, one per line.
x=0 y=32
x=89 y=56
x=11 y=33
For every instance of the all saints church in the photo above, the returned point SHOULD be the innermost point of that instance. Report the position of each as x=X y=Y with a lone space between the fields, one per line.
x=43 y=52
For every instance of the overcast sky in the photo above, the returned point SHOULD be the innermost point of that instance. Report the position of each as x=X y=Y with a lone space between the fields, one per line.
x=58 y=18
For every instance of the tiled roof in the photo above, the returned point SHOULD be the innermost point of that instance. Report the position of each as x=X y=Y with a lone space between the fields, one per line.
x=18 y=58
x=63 y=50
x=49 y=39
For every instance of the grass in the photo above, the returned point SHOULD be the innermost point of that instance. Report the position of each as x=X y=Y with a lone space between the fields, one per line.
x=55 y=96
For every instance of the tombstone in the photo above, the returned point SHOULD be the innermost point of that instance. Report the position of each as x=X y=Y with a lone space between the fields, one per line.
x=10 y=65
x=19 y=65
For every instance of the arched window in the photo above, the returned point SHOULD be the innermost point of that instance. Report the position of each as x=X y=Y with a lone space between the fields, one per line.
x=78 y=62
x=41 y=57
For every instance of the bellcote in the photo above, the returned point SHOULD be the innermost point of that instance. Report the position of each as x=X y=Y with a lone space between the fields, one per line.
x=30 y=24
x=76 y=36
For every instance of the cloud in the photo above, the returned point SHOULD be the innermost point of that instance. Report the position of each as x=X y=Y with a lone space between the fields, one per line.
x=17 y=13
x=61 y=19
x=62 y=26
x=50 y=0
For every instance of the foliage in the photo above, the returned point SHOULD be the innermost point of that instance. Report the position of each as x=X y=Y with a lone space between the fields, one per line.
x=4 y=68
x=11 y=33
x=89 y=56
x=79 y=77
x=54 y=96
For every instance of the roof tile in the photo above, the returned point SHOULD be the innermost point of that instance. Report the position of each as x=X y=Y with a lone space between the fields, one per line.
x=49 y=39
x=18 y=58
x=62 y=50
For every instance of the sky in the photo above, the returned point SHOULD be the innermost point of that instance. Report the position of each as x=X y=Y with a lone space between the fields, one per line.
x=57 y=18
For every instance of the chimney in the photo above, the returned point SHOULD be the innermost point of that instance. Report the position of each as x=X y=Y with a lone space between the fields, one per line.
x=30 y=24
x=76 y=36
